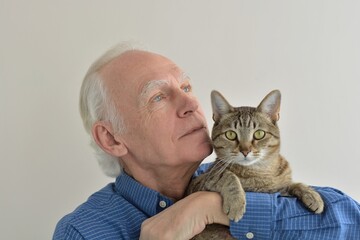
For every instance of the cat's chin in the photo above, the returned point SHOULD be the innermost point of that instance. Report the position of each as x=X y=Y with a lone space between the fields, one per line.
x=246 y=161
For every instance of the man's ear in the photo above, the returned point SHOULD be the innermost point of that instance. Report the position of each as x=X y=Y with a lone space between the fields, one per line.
x=103 y=135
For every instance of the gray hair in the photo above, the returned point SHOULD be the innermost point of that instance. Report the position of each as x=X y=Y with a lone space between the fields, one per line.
x=96 y=105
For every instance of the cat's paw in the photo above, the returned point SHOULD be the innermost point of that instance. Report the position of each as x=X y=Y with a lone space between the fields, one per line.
x=313 y=201
x=234 y=206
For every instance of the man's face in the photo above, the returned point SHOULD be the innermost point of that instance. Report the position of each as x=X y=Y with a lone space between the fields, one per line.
x=164 y=121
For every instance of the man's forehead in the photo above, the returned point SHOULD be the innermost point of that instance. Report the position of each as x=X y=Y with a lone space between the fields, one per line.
x=134 y=61
x=131 y=77
x=163 y=72
x=167 y=73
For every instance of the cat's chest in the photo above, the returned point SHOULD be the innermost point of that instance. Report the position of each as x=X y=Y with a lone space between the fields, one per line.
x=260 y=180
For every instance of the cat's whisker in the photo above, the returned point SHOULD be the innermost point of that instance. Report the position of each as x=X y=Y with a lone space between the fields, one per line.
x=247 y=145
x=215 y=170
x=221 y=166
x=218 y=167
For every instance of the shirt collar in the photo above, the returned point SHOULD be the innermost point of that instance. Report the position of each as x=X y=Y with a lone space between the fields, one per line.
x=145 y=199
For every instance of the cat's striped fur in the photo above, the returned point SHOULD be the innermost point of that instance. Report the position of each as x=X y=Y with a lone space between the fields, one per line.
x=247 y=144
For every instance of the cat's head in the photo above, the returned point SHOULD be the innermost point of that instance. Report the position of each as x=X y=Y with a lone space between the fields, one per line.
x=246 y=135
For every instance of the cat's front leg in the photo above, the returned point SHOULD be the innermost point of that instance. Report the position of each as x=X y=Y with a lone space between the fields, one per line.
x=308 y=196
x=233 y=194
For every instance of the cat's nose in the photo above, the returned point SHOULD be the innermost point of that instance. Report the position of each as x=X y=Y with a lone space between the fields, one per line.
x=245 y=152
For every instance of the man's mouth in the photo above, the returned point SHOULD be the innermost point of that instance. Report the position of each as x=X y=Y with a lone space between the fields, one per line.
x=193 y=130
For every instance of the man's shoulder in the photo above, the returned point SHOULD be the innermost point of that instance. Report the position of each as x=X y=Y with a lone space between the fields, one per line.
x=95 y=204
x=102 y=211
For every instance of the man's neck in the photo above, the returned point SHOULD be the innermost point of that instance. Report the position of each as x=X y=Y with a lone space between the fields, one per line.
x=169 y=182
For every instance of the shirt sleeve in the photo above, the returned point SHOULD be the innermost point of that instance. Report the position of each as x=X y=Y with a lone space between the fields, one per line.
x=258 y=218
x=272 y=216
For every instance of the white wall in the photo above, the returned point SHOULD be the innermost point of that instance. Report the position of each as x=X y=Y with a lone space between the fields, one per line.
x=308 y=49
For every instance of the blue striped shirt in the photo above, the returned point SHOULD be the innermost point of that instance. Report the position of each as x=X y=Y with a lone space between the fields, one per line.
x=117 y=211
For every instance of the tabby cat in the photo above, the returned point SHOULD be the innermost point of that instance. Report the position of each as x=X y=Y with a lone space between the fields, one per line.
x=246 y=141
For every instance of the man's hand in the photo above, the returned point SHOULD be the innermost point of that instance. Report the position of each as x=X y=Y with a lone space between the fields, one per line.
x=186 y=218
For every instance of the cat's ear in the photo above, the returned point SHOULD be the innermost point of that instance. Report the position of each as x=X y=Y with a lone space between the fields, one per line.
x=219 y=105
x=270 y=105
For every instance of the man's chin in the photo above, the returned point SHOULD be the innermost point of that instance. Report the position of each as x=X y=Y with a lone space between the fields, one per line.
x=201 y=152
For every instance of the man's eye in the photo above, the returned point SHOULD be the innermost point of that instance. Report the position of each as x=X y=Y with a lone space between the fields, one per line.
x=187 y=88
x=158 y=98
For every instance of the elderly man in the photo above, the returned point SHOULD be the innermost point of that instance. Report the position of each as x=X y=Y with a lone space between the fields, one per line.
x=151 y=134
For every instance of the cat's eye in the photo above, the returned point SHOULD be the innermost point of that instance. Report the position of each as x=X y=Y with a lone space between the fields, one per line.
x=259 y=134
x=231 y=135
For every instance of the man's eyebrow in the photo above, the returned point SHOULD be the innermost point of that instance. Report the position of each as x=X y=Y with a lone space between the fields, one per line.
x=184 y=77
x=153 y=84
x=150 y=86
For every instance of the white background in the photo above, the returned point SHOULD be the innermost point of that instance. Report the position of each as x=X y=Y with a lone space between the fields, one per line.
x=308 y=49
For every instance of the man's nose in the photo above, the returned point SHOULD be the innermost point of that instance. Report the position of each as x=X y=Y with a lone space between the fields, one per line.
x=187 y=105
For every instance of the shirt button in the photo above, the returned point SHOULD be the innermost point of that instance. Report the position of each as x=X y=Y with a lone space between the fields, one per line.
x=249 y=235
x=162 y=204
